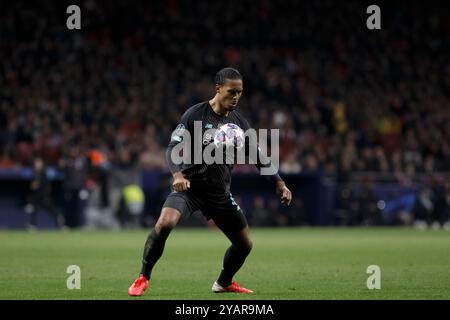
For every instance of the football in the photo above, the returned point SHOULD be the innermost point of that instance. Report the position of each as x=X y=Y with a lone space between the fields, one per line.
x=229 y=135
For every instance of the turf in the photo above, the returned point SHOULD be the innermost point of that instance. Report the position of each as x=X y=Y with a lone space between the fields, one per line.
x=293 y=263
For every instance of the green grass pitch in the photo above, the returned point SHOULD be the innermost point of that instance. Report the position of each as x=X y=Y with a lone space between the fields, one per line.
x=286 y=263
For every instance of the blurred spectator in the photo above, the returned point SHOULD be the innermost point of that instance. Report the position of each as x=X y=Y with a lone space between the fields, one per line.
x=424 y=208
x=291 y=165
x=6 y=161
x=260 y=213
x=131 y=206
x=347 y=206
x=99 y=172
x=432 y=208
x=369 y=214
x=74 y=167
x=40 y=196
x=295 y=213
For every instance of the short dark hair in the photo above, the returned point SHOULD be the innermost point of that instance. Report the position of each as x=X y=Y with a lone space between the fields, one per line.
x=227 y=73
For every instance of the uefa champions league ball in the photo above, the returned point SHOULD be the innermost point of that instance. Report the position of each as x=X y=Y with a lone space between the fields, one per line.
x=229 y=135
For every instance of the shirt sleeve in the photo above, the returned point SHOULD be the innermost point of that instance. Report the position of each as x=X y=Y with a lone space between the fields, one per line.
x=178 y=136
x=261 y=161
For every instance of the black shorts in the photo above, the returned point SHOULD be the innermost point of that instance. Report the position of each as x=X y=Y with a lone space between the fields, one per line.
x=223 y=209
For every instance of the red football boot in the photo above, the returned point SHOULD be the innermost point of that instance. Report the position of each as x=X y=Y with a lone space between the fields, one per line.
x=234 y=287
x=138 y=287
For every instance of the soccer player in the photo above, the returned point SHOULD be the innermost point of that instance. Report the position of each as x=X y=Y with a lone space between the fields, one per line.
x=207 y=188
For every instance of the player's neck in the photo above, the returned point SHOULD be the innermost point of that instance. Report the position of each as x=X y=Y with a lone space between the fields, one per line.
x=217 y=108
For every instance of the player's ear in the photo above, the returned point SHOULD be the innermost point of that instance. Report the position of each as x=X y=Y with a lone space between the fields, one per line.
x=218 y=86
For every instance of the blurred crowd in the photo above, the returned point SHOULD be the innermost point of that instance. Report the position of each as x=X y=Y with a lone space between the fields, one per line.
x=345 y=98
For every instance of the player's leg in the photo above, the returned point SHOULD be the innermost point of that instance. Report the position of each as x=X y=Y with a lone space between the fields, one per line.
x=176 y=205
x=235 y=256
x=231 y=221
x=154 y=246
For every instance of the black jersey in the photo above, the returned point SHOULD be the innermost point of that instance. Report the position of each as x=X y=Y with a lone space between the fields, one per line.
x=207 y=178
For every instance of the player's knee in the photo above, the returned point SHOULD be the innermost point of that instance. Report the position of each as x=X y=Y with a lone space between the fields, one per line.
x=165 y=224
x=246 y=247
x=163 y=227
x=249 y=246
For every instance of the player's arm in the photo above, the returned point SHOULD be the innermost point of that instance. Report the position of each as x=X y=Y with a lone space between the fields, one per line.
x=284 y=193
x=280 y=186
x=262 y=161
x=180 y=183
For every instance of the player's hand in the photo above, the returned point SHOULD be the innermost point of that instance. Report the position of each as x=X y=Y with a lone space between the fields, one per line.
x=284 y=193
x=180 y=183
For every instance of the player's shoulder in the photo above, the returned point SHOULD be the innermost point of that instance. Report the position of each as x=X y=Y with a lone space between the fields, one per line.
x=241 y=119
x=237 y=114
x=193 y=113
x=197 y=108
